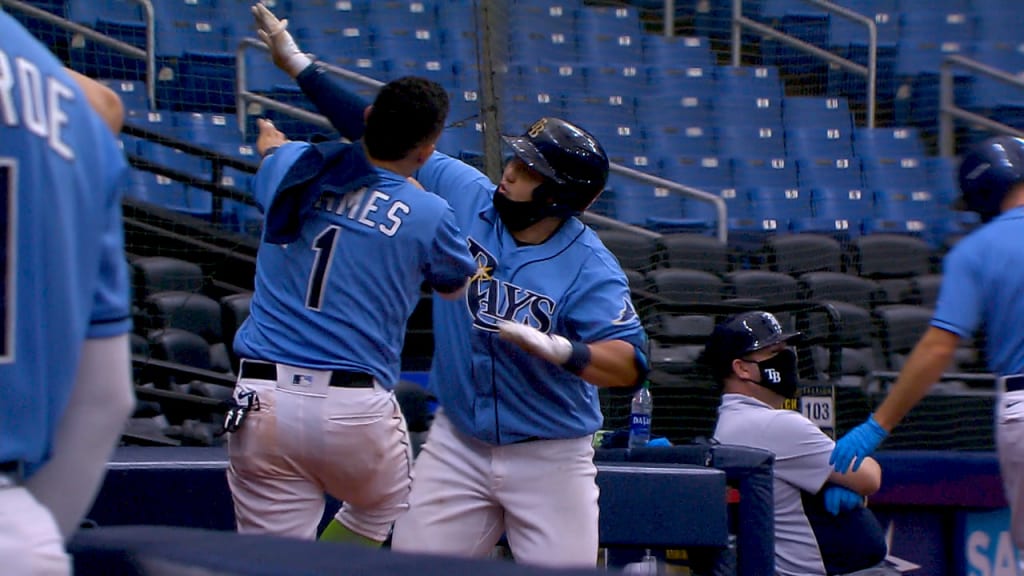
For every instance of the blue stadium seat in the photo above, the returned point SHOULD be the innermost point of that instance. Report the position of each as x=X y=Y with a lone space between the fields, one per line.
x=783 y=205
x=751 y=142
x=154 y=121
x=843 y=31
x=169 y=194
x=132 y=93
x=928 y=36
x=838 y=173
x=624 y=143
x=465 y=138
x=707 y=173
x=905 y=174
x=778 y=174
x=325 y=15
x=656 y=112
x=204 y=128
x=803 y=23
x=416 y=14
x=343 y=46
x=189 y=25
x=633 y=202
x=407 y=47
x=520 y=111
x=754 y=81
x=942 y=179
x=558 y=82
x=207 y=82
x=811 y=143
x=842 y=204
x=746 y=111
x=616 y=80
x=676 y=51
x=892 y=143
x=988 y=92
x=168 y=157
x=816 y=112
x=694 y=82
x=610 y=35
x=89 y=11
x=681 y=140
x=998 y=21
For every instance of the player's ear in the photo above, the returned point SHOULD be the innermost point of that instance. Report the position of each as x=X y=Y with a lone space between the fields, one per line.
x=366 y=113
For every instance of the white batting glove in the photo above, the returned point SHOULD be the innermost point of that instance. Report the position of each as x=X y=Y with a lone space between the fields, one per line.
x=553 y=348
x=283 y=49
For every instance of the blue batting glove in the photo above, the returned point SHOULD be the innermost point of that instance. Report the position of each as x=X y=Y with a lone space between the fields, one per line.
x=840 y=499
x=857 y=444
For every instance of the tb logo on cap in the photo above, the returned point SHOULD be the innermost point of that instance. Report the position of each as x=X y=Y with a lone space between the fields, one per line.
x=774 y=375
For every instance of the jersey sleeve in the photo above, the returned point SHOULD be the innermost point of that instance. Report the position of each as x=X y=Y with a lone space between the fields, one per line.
x=801 y=451
x=454 y=180
x=111 y=304
x=449 y=263
x=601 y=306
x=272 y=171
x=960 y=304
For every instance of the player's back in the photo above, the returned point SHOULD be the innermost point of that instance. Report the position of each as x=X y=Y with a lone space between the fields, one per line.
x=60 y=229
x=339 y=297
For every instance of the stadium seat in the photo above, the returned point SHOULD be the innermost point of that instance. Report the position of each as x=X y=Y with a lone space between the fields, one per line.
x=181 y=347
x=634 y=251
x=696 y=84
x=988 y=92
x=778 y=173
x=89 y=11
x=888 y=143
x=816 y=112
x=191 y=311
x=696 y=252
x=188 y=25
x=132 y=93
x=900 y=326
x=838 y=286
x=743 y=110
x=97 y=60
x=610 y=35
x=796 y=254
x=891 y=260
x=687 y=286
x=153 y=274
x=676 y=51
x=925 y=290
x=681 y=139
x=752 y=142
x=234 y=309
x=853 y=335
x=843 y=173
x=765 y=285
x=997 y=21
x=819 y=143
x=929 y=35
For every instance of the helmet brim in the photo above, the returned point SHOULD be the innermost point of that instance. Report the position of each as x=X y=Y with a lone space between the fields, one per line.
x=525 y=150
x=786 y=337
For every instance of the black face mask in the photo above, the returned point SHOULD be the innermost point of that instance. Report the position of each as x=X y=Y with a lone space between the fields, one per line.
x=779 y=373
x=518 y=216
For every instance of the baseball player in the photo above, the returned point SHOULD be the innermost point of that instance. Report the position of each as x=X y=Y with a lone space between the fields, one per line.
x=347 y=244
x=65 y=317
x=546 y=319
x=983 y=276
x=821 y=526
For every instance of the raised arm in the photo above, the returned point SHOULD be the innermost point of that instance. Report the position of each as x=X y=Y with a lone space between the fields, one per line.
x=103 y=100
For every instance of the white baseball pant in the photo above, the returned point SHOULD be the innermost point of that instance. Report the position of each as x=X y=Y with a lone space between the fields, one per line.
x=30 y=541
x=542 y=494
x=307 y=439
x=1010 y=449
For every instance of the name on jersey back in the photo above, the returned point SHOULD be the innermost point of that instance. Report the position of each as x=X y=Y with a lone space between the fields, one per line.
x=29 y=98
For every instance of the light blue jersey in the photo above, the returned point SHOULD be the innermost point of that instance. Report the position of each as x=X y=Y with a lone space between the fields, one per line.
x=339 y=297
x=983 y=285
x=570 y=285
x=65 y=277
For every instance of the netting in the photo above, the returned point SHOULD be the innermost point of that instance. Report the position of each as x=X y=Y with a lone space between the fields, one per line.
x=831 y=196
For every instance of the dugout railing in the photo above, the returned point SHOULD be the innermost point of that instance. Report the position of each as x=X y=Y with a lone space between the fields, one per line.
x=950 y=111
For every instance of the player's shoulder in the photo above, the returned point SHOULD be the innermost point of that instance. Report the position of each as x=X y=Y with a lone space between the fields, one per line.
x=588 y=242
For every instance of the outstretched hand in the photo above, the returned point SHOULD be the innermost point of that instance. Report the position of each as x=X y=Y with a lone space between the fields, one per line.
x=283 y=49
x=269 y=137
x=856 y=445
x=553 y=348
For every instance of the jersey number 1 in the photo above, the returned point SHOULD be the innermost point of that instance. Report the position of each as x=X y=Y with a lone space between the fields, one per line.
x=323 y=245
x=8 y=212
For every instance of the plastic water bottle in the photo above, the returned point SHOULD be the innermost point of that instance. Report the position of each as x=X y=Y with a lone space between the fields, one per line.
x=647 y=566
x=640 y=409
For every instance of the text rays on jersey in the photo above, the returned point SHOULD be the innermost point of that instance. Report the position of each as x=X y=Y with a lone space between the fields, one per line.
x=41 y=101
x=491 y=299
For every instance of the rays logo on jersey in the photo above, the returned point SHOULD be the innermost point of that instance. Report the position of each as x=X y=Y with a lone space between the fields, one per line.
x=627 y=313
x=490 y=299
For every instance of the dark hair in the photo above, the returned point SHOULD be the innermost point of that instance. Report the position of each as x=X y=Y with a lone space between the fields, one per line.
x=406 y=113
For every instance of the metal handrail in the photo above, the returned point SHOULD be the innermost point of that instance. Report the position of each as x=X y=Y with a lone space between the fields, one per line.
x=739 y=21
x=948 y=110
x=721 y=228
x=148 y=54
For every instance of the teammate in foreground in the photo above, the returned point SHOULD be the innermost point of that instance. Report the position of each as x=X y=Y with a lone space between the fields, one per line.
x=982 y=283
x=821 y=525
x=546 y=319
x=65 y=318
x=347 y=244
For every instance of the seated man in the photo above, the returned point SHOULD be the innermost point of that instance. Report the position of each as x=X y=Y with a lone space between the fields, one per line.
x=821 y=525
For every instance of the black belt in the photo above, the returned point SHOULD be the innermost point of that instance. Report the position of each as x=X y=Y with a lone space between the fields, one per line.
x=255 y=370
x=13 y=469
x=1014 y=383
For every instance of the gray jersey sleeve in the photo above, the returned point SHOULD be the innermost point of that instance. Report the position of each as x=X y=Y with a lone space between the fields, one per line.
x=801 y=451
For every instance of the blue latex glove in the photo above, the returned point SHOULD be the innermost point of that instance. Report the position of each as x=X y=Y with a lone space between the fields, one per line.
x=858 y=443
x=840 y=499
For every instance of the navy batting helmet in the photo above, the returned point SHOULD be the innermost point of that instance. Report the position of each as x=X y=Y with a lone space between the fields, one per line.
x=740 y=335
x=567 y=155
x=988 y=172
